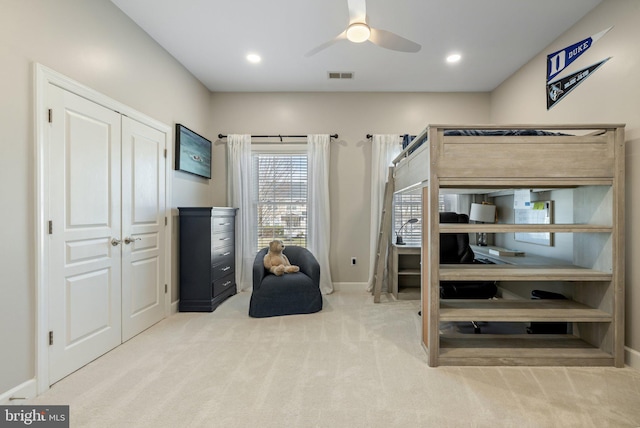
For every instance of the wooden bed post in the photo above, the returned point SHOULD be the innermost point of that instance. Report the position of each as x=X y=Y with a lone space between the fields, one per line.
x=431 y=251
x=618 y=247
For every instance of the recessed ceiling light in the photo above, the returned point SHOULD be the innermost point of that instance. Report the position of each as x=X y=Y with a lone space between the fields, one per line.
x=454 y=58
x=254 y=58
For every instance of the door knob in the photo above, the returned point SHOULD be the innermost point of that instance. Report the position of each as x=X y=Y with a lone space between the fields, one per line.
x=115 y=242
x=128 y=240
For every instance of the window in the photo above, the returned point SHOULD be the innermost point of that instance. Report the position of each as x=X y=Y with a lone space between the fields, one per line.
x=408 y=205
x=281 y=197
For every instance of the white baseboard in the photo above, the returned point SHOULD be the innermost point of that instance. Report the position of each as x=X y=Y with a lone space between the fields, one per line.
x=20 y=394
x=174 y=307
x=632 y=358
x=350 y=286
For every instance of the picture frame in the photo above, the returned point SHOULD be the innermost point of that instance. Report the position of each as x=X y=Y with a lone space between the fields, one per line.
x=193 y=152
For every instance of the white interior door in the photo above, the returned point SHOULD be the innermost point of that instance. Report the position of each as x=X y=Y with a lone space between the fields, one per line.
x=107 y=236
x=143 y=193
x=84 y=268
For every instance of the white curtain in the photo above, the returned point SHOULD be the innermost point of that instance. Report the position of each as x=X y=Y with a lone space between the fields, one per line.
x=318 y=206
x=239 y=184
x=384 y=148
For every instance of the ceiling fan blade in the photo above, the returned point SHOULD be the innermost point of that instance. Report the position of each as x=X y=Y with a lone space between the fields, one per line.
x=325 y=45
x=389 y=40
x=357 y=11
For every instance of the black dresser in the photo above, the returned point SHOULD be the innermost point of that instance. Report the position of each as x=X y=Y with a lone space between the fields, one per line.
x=207 y=257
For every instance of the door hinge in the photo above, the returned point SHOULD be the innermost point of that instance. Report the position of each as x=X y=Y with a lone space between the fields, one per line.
x=165 y=153
x=50 y=338
x=166 y=289
x=50 y=116
x=50 y=227
x=165 y=221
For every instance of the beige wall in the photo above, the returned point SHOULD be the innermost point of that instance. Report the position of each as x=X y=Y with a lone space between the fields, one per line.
x=92 y=42
x=610 y=95
x=351 y=116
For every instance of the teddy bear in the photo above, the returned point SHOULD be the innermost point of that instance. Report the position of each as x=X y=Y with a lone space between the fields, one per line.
x=276 y=262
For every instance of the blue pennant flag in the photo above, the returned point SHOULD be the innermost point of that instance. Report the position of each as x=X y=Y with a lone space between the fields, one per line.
x=558 y=61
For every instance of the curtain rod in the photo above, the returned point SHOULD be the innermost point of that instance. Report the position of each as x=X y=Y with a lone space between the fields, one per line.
x=278 y=136
x=370 y=136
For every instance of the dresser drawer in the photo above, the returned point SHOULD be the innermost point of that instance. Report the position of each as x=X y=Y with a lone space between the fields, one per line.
x=221 y=254
x=223 y=284
x=220 y=240
x=223 y=269
x=222 y=224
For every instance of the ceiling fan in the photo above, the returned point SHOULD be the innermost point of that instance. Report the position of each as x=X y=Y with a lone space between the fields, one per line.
x=360 y=31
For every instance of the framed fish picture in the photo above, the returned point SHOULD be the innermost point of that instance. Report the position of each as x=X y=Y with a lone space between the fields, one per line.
x=193 y=152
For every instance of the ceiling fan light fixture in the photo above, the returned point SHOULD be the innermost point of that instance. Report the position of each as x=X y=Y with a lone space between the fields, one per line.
x=358 y=32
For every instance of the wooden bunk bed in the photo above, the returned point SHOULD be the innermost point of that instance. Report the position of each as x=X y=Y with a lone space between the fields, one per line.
x=575 y=157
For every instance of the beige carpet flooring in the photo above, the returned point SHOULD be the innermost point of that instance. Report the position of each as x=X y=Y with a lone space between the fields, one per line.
x=355 y=364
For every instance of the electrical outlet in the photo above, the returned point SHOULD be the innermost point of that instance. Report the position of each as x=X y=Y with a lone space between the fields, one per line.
x=353 y=261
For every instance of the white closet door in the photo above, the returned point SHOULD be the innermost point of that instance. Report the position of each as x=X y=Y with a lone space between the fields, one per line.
x=84 y=264
x=106 y=247
x=143 y=214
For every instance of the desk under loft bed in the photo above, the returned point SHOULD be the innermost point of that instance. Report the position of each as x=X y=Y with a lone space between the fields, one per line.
x=586 y=159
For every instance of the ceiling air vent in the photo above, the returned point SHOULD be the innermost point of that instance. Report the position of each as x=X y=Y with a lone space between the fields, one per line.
x=340 y=74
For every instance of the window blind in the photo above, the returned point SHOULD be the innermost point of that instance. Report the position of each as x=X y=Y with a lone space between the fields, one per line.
x=281 y=198
x=408 y=205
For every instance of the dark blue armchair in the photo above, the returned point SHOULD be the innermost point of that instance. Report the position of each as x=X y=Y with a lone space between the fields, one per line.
x=290 y=293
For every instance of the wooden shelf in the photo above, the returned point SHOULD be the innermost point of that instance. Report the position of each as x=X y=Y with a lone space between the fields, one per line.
x=523 y=182
x=519 y=350
x=404 y=272
x=520 y=273
x=520 y=311
x=408 y=293
x=528 y=228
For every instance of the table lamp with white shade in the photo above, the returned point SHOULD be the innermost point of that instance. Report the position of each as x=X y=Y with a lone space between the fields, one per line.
x=482 y=213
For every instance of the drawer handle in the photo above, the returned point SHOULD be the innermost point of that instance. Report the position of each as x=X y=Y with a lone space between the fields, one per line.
x=225 y=239
x=225 y=224
x=224 y=269
x=226 y=284
x=226 y=254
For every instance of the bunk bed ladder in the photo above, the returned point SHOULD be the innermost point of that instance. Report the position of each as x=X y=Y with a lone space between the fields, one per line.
x=383 y=237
